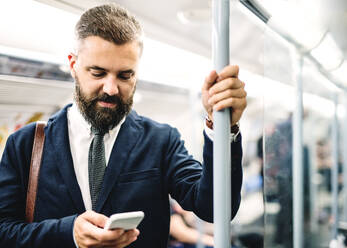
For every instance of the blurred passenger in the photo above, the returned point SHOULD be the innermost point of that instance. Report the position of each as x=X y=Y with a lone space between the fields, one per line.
x=260 y=155
x=324 y=167
x=279 y=154
x=280 y=145
x=182 y=233
x=146 y=161
x=324 y=163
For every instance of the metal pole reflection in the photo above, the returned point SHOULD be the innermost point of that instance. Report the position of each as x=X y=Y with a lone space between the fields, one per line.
x=334 y=174
x=298 y=158
x=345 y=162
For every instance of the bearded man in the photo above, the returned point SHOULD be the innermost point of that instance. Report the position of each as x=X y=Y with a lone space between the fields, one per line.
x=101 y=158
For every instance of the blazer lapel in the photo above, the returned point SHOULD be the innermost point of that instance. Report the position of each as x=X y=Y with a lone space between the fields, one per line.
x=57 y=137
x=126 y=140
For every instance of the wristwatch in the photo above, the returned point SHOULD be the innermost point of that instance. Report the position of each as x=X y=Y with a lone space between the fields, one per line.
x=234 y=129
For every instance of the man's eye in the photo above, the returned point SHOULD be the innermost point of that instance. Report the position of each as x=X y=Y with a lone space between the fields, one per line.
x=125 y=76
x=98 y=74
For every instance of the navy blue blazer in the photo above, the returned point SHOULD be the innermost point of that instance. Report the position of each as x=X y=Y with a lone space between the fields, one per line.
x=148 y=162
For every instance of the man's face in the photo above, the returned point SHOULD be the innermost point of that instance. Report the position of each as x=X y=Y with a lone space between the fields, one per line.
x=105 y=76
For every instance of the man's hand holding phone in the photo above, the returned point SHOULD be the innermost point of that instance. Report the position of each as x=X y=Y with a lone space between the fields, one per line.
x=89 y=232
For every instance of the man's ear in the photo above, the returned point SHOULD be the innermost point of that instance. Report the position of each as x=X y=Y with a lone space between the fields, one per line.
x=72 y=61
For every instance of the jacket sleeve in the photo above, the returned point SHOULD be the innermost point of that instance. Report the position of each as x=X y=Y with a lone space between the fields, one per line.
x=14 y=231
x=191 y=183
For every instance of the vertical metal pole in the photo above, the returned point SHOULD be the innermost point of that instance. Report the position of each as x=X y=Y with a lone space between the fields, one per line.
x=334 y=174
x=298 y=158
x=221 y=144
x=345 y=161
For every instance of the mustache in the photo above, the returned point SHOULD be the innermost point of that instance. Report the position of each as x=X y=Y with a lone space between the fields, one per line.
x=107 y=98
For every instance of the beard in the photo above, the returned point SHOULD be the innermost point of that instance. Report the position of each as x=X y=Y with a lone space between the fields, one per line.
x=102 y=118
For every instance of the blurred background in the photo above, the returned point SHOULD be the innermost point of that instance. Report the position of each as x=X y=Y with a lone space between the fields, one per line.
x=37 y=35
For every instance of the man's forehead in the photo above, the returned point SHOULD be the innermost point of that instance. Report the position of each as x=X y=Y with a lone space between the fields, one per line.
x=102 y=53
x=96 y=43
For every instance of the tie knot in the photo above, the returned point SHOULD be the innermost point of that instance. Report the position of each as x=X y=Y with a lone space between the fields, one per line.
x=97 y=131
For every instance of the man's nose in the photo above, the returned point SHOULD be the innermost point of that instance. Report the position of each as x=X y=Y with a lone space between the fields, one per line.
x=110 y=86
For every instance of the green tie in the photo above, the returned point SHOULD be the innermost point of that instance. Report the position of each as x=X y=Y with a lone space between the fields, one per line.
x=96 y=165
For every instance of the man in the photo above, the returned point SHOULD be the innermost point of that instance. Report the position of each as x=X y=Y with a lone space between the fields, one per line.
x=140 y=161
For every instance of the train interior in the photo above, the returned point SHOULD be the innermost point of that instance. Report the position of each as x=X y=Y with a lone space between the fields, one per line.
x=37 y=35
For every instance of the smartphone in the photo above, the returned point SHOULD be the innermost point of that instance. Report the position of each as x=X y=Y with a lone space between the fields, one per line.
x=126 y=221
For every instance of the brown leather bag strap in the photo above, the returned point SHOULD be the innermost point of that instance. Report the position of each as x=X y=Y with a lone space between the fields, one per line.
x=36 y=157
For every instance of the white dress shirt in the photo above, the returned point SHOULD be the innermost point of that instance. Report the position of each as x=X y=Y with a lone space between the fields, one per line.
x=80 y=137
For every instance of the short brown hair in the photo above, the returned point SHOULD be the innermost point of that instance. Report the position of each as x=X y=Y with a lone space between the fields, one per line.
x=110 y=22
